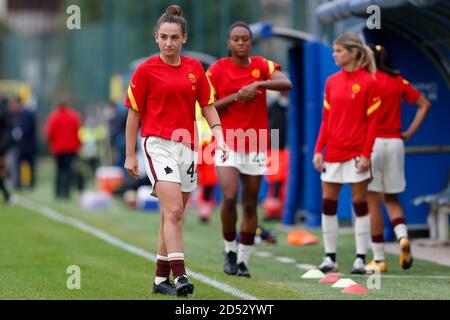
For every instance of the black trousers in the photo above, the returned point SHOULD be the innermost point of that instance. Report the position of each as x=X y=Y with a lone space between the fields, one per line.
x=5 y=191
x=63 y=174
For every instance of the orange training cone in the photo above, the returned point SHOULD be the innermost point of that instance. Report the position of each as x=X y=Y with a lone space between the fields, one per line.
x=355 y=289
x=302 y=237
x=330 y=278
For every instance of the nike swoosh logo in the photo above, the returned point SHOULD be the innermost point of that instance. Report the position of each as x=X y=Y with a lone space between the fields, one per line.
x=193 y=180
x=133 y=85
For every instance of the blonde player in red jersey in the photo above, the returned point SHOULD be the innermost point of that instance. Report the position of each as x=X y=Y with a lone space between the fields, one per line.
x=349 y=125
x=388 y=159
x=240 y=82
x=163 y=92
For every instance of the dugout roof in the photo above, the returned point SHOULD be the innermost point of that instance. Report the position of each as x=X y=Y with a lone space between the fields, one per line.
x=424 y=22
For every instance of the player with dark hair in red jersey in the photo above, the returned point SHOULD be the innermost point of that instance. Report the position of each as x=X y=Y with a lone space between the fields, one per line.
x=388 y=159
x=240 y=82
x=162 y=93
x=349 y=126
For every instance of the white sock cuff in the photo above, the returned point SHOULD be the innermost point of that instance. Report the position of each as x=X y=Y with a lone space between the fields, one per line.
x=162 y=258
x=362 y=234
x=378 y=251
x=244 y=253
x=362 y=223
x=401 y=231
x=230 y=246
x=158 y=280
x=330 y=231
x=245 y=247
x=329 y=223
x=176 y=256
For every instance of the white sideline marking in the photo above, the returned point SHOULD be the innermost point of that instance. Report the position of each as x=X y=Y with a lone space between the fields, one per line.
x=263 y=254
x=285 y=259
x=49 y=213
x=305 y=266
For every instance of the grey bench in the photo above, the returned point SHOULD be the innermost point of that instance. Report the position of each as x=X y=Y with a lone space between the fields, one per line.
x=439 y=204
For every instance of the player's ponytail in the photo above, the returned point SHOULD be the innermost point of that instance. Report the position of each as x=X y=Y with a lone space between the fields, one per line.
x=173 y=14
x=382 y=61
x=364 y=55
x=367 y=60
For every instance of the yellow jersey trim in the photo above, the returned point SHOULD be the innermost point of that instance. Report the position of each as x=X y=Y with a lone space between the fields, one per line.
x=213 y=91
x=373 y=107
x=271 y=67
x=132 y=100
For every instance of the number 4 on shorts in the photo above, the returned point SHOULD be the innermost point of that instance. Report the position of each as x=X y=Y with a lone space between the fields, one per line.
x=191 y=170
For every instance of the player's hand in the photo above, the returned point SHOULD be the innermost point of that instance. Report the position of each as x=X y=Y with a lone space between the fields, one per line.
x=318 y=161
x=248 y=93
x=222 y=146
x=131 y=166
x=363 y=164
x=406 y=136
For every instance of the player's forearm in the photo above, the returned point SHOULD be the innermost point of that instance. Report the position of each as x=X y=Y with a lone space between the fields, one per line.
x=131 y=131
x=371 y=135
x=212 y=117
x=277 y=84
x=424 y=106
x=223 y=103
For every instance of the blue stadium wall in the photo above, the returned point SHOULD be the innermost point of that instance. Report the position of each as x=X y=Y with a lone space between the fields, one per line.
x=310 y=64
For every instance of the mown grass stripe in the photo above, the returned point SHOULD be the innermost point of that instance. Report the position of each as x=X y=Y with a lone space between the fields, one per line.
x=52 y=214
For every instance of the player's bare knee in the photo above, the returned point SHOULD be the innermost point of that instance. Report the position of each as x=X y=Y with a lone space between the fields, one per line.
x=250 y=207
x=230 y=200
x=374 y=198
x=391 y=199
x=173 y=215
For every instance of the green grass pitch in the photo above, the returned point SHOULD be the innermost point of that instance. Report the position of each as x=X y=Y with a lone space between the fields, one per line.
x=36 y=252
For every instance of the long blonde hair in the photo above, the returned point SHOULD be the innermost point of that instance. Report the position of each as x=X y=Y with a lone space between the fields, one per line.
x=364 y=56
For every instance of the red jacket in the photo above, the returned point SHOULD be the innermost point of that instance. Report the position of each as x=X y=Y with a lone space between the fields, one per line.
x=62 y=130
x=349 y=121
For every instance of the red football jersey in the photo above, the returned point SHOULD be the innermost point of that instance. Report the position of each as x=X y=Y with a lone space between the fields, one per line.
x=226 y=78
x=349 y=121
x=393 y=89
x=165 y=97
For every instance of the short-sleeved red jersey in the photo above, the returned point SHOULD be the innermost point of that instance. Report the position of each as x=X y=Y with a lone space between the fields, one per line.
x=392 y=90
x=165 y=97
x=349 y=121
x=226 y=77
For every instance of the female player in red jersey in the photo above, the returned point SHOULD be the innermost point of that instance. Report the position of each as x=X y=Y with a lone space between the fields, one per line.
x=388 y=159
x=349 y=125
x=162 y=93
x=240 y=82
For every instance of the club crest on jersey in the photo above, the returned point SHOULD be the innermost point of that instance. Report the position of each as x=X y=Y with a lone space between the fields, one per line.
x=191 y=77
x=256 y=73
x=355 y=89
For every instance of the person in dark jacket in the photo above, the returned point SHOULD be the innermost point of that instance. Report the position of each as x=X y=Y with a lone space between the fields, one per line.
x=6 y=142
x=26 y=143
